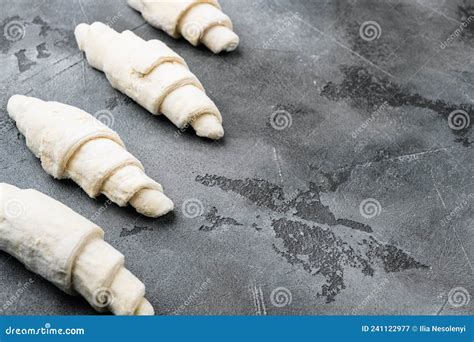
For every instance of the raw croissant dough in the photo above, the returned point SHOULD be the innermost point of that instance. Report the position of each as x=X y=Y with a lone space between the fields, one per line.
x=65 y=248
x=151 y=74
x=73 y=144
x=198 y=21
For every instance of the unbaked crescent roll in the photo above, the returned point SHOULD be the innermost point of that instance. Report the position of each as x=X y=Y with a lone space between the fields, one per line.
x=198 y=21
x=151 y=74
x=73 y=144
x=68 y=250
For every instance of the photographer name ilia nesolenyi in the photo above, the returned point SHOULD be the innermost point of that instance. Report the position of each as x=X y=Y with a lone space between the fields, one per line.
x=449 y=328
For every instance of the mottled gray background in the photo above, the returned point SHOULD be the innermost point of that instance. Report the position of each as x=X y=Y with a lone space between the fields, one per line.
x=280 y=208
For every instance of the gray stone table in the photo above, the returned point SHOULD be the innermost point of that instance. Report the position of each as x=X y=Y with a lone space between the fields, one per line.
x=344 y=182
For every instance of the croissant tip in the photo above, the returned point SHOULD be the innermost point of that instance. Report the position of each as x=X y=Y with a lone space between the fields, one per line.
x=145 y=308
x=152 y=203
x=208 y=126
x=215 y=133
x=80 y=32
x=221 y=38
x=15 y=104
x=165 y=207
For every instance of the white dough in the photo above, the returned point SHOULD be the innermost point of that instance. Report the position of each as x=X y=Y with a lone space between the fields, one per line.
x=198 y=21
x=151 y=74
x=68 y=250
x=73 y=144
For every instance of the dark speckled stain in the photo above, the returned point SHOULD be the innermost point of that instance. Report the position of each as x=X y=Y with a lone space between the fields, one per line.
x=334 y=179
x=370 y=91
x=66 y=39
x=6 y=124
x=256 y=227
x=112 y=102
x=42 y=51
x=216 y=221
x=258 y=191
x=320 y=251
x=465 y=11
x=24 y=63
x=67 y=36
x=135 y=230
x=44 y=26
x=294 y=108
x=304 y=204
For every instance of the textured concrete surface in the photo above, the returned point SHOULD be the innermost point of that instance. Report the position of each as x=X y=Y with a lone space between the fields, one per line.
x=344 y=182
